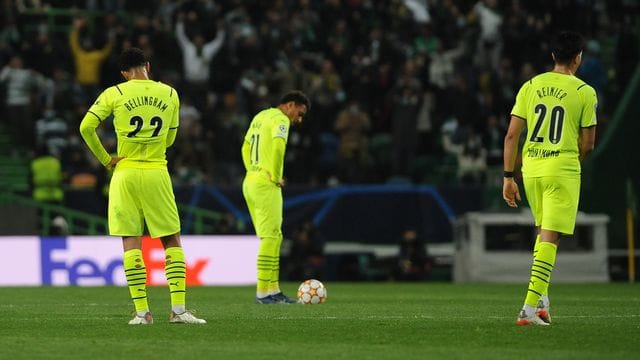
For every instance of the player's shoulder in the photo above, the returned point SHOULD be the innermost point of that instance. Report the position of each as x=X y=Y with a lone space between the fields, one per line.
x=160 y=84
x=162 y=87
x=272 y=115
x=540 y=78
x=582 y=86
x=530 y=82
x=173 y=93
x=112 y=92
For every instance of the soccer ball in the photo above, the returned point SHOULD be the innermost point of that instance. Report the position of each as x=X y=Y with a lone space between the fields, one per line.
x=311 y=292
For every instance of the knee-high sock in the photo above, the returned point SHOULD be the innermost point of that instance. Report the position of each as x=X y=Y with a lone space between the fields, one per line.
x=274 y=281
x=136 y=274
x=541 y=272
x=176 y=272
x=535 y=251
x=266 y=262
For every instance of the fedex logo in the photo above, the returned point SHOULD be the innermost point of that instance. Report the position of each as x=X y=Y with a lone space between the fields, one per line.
x=98 y=261
x=153 y=255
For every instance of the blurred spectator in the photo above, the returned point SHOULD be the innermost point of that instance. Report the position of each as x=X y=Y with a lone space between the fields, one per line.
x=75 y=160
x=196 y=58
x=492 y=140
x=52 y=133
x=46 y=176
x=227 y=132
x=489 y=45
x=326 y=95
x=46 y=186
x=42 y=54
x=306 y=255
x=21 y=86
x=88 y=58
x=441 y=73
x=194 y=158
x=413 y=263
x=407 y=97
x=67 y=94
x=352 y=126
x=472 y=160
x=592 y=70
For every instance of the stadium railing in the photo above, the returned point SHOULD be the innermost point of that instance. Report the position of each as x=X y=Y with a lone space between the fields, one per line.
x=78 y=222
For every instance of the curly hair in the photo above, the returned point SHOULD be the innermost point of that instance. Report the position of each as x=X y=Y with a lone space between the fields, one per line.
x=131 y=58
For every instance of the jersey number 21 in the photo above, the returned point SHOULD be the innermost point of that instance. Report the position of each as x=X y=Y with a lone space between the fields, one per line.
x=255 y=142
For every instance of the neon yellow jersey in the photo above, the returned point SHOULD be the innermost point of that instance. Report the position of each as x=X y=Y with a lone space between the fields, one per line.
x=265 y=153
x=555 y=107
x=144 y=111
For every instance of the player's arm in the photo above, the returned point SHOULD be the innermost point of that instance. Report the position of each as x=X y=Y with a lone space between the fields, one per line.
x=171 y=136
x=173 y=129
x=211 y=48
x=181 y=35
x=587 y=141
x=511 y=140
x=88 y=127
x=279 y=134
x=175 y=120
x=246 y=154
x=106 y=50
x=74 y=43
x=92 y=119
x=588 y=122
x=510 y=191
x=277 y=157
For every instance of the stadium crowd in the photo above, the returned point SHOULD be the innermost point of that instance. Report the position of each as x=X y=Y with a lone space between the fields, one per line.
x=401 y=90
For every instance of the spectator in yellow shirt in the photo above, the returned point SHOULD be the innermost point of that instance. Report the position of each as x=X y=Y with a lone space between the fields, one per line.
x=88 y=62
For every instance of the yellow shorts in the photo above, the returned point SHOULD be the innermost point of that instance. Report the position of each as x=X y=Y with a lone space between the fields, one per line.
x=264 y=200
x=554 y=201
x=137 y=196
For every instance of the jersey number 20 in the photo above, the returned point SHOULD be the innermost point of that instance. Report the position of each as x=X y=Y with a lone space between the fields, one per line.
x=555 y=125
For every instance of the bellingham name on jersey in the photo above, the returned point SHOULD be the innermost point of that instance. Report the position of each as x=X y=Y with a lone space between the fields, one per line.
x=137 y=101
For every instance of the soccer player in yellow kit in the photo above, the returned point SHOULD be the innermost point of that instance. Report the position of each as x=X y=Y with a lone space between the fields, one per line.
x=559 y=111
x=146 y=122
x=263 y=157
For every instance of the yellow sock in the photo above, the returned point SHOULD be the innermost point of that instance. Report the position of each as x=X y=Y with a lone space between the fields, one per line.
x=266 y=261
x=541 y=272
x=274 y=281
x=175 y=269
x=136 y=274
x=535 y=251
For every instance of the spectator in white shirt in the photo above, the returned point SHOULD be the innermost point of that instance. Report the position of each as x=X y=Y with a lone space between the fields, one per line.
x=196 y=59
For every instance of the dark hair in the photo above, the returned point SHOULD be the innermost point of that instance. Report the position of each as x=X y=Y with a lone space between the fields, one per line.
x=297 y=97
x=131 y=58
x=566 y=45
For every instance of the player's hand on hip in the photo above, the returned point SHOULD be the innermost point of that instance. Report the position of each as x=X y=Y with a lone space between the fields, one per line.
x=114 y=161
x=510 y=192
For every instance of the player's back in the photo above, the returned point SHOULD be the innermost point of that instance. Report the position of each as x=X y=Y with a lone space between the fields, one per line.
x=144 y=111
x=555 y=107
x=267 y=125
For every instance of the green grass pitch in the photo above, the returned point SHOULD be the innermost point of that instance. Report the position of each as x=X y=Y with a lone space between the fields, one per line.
x=359 y=321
